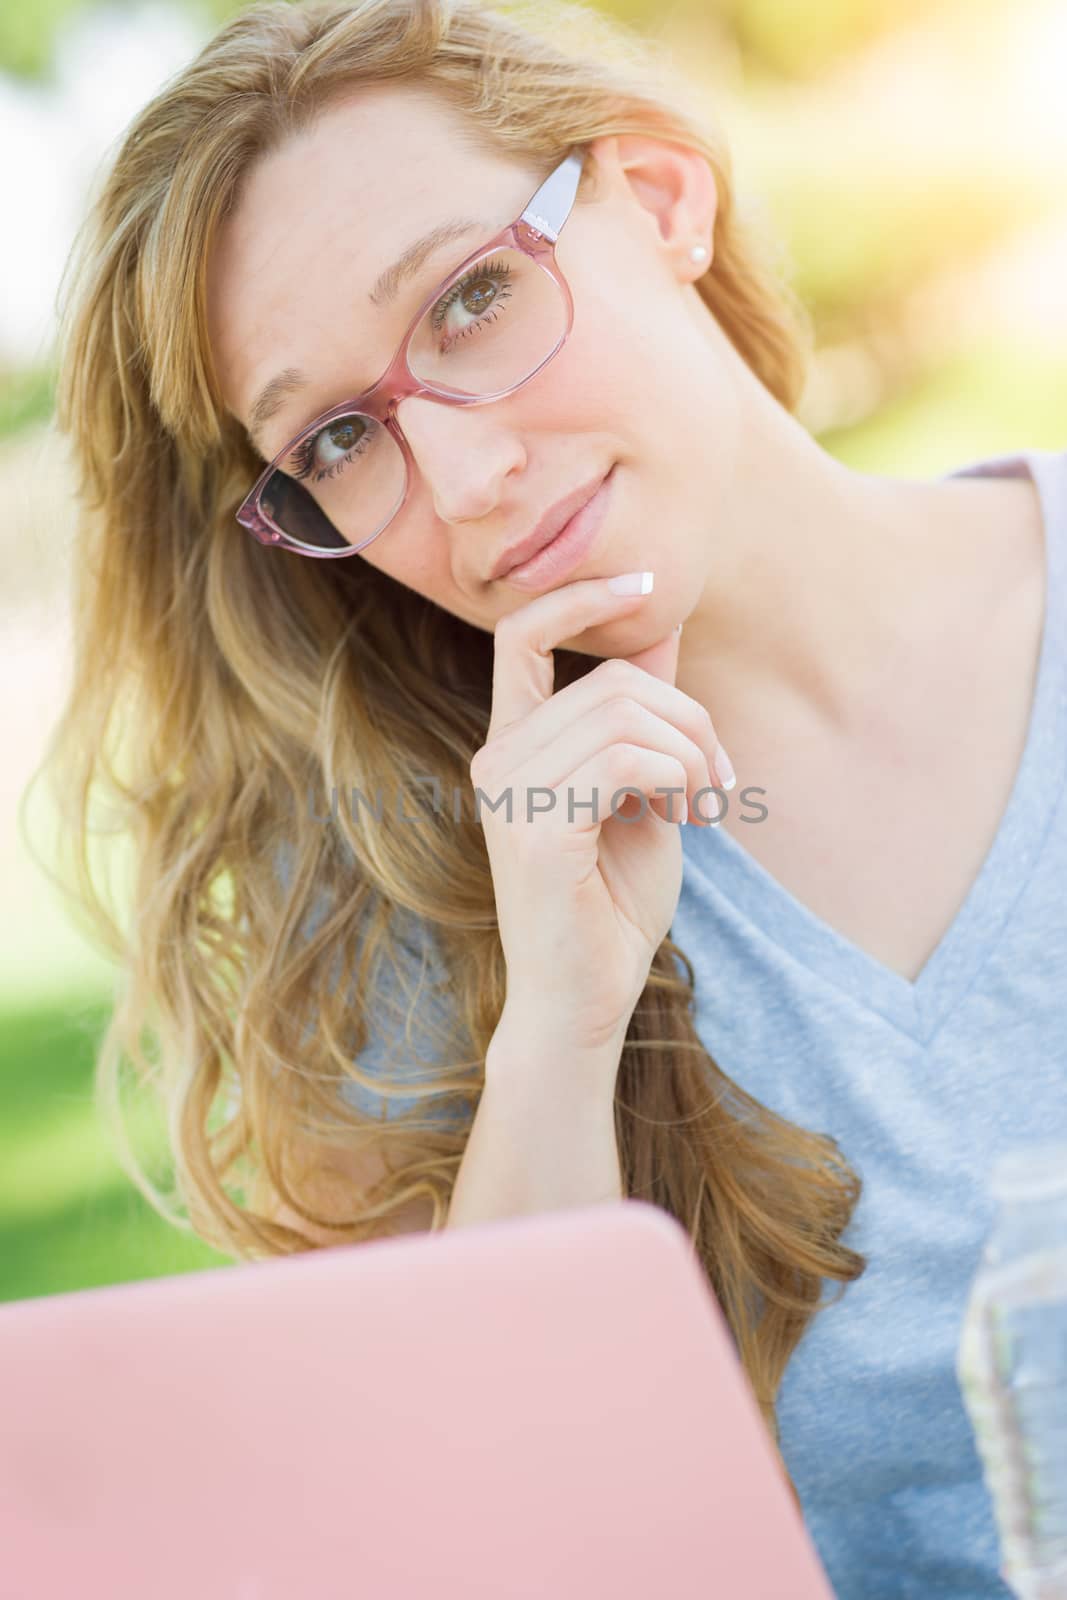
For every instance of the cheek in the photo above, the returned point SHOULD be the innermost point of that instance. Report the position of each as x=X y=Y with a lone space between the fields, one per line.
x=598 y=355
x=621 y=359
x=417 y=560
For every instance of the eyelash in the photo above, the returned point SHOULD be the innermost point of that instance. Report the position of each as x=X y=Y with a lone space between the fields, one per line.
x=305 y=454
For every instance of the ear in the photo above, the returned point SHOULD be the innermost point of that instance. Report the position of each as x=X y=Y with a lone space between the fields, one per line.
x=673 y=185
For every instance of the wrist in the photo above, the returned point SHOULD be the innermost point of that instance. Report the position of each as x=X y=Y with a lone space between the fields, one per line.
x=527 y=1048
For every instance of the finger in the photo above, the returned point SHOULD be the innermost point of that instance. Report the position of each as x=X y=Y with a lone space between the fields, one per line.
x=619 y=678
x=523 y=666
x=629 y=767
x=661 y=660
x=623 y=722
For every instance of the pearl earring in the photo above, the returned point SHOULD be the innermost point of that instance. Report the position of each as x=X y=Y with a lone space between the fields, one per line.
x=698 y=253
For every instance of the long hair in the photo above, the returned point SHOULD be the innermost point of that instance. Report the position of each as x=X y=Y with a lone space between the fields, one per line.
x=217 y=686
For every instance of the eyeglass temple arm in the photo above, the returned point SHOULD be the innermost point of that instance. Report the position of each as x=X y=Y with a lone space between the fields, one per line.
x=551 y=205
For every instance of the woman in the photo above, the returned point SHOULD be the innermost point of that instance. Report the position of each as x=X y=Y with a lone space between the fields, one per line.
x=852 y=979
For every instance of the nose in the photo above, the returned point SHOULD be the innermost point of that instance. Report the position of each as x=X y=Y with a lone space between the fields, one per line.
x=464 y=453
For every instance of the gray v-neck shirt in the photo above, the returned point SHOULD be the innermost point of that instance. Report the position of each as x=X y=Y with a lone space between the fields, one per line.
x=922 y=1085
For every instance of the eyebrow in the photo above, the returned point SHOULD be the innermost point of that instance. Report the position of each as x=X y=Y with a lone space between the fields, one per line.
x=387 y=286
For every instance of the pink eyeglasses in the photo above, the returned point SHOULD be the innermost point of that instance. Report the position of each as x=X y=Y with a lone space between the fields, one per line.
x=485 y=331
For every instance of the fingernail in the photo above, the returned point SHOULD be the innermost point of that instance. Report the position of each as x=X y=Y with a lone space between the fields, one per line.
x=685 y=810
x=631 y=583
x=677 y=627
x=724 y=768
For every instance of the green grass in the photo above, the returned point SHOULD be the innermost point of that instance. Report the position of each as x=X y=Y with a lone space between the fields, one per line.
x=69 y=1216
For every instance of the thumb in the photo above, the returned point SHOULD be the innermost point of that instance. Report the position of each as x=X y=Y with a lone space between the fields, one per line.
x=661 y=658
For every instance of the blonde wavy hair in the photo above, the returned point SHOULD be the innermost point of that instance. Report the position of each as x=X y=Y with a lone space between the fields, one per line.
x=216 y=686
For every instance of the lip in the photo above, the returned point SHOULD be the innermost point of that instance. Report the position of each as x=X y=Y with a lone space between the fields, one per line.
x=558 y=555
x=549 y=528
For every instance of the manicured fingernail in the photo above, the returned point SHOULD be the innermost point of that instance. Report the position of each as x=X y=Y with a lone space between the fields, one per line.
x=724 y=768
x=685 y=810
x=631 y=583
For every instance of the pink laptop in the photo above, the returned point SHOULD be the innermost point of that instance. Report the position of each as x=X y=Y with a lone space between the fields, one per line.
x=539 y=1408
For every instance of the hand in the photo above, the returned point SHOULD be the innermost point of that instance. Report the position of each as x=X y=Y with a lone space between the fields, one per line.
x=584 y=902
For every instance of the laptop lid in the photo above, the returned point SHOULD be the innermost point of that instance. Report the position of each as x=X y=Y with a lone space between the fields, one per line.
x=537 y=1408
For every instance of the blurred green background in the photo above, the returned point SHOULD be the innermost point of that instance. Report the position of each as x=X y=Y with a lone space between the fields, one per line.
x=913 y=159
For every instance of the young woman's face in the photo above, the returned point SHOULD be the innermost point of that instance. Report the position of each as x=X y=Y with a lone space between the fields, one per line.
x=644 y=383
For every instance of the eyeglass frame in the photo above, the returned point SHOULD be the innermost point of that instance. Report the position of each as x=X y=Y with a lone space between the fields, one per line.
x=535 y=232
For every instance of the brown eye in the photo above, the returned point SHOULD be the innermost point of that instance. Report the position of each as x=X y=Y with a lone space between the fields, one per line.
x=345 y=433
x=478 y=296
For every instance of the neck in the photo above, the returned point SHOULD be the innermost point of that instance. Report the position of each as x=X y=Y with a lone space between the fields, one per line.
x=822 y=586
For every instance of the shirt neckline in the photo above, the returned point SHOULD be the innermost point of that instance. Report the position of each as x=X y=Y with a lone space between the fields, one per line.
x=919 y=1007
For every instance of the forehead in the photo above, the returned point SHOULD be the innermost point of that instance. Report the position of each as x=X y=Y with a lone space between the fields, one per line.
x=317 y=220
